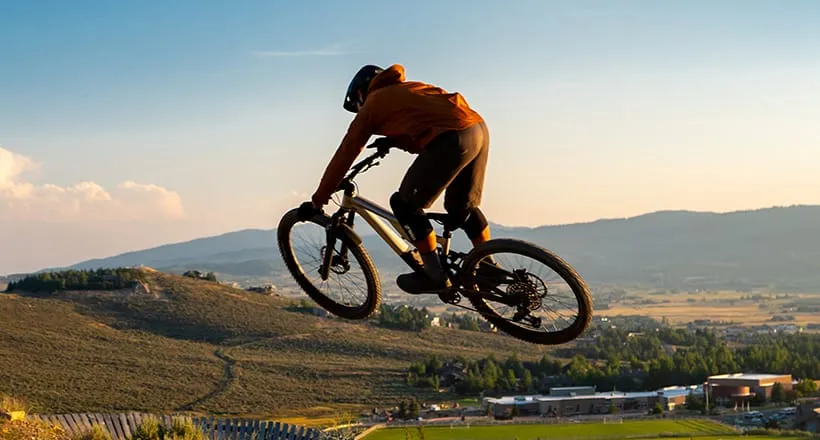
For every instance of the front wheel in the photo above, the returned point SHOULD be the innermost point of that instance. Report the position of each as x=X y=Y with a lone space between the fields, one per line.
x=508 y=281
x=352 y=288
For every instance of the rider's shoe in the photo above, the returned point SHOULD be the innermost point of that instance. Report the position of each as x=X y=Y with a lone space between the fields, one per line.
x=431 y=280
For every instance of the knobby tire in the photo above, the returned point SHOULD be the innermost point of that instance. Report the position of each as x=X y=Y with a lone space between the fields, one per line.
x=354 y=247
x=546 y=257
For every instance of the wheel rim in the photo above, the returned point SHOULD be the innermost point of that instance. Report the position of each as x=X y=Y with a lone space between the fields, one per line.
x=346 y=283
x=542 y=300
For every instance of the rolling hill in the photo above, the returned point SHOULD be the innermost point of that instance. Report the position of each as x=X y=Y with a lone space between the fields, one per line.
x=187 y=344
x=777 y=248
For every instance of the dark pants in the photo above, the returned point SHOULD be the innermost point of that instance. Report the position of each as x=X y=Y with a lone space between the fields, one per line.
x=453 y=163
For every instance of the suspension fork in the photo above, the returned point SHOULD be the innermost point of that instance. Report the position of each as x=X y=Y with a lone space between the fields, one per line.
x=343 y=251
x=336 y=220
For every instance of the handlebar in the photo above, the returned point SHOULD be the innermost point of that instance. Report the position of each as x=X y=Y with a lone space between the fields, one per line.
x=382 y=146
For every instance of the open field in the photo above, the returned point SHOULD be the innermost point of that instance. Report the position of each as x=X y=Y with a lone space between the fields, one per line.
x=646 y=429
x=741 y=308
x=683 y=308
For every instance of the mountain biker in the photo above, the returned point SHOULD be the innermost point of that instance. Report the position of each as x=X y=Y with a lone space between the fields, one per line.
x=452 y=143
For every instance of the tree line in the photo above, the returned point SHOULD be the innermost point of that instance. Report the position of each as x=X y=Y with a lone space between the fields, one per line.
x=402 y=317
x=621 y=362
x=94 y=279
x=405 y=317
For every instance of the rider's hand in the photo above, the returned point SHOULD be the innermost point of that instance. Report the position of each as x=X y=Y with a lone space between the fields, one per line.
x=383 y=142
x=306 y=211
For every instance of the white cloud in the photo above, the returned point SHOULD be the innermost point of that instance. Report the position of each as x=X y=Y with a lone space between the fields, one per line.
x=84 y=201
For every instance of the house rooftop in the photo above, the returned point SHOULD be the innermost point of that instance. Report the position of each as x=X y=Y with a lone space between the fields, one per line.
x=747 y=376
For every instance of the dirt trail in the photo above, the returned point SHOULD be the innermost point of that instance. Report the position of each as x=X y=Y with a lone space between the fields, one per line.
x=221 y=387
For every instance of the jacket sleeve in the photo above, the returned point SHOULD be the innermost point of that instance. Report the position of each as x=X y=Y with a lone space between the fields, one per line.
x=352 y=145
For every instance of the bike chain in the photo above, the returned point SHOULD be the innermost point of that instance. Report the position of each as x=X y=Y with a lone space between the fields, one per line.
x=458 y=297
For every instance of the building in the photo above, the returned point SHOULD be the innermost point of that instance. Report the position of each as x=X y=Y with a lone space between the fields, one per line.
x=572 y=391
x=807 y=416
x=740 y=388
x=570 y=401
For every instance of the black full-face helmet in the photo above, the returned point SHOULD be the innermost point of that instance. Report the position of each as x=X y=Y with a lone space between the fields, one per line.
x=357 y=89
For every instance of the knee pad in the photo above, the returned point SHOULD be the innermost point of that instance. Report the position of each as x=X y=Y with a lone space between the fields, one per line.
x=456 y=218
x=411 y=218
x=475 y=223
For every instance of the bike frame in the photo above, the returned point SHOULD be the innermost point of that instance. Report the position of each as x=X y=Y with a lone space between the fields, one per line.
x=390 y=231
x=371 y=212
x=382 y=220
x=388 y=227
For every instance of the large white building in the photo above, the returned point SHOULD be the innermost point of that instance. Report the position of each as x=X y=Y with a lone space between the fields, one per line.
x=568 y=401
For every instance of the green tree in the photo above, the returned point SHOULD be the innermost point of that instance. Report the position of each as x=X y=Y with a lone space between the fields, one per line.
x=403 y=409
x=511 y=380
x=778 y=393
x=695 y=403
x=414 y=409
x=526 y=381
x=806 y=387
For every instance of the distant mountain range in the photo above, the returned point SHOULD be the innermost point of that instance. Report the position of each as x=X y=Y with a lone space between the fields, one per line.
x=772 y=247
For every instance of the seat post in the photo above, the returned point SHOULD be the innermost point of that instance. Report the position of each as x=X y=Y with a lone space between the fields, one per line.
x=445 y=237
x=445 y=245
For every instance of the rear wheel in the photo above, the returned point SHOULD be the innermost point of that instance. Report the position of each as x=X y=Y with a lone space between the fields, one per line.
x=352 y=289
x=532 y=294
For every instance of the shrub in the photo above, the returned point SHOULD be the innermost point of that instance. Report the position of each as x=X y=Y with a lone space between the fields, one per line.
x=31 y=429
x=184 y=429
x=149 y=429
x=96 y=433
x=8 y=403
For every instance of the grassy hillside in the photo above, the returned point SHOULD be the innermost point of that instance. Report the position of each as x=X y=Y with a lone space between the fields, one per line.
x=775 y=248
x=195 y=345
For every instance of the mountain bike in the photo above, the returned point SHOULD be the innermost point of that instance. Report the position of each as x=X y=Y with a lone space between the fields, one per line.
x=473 y=275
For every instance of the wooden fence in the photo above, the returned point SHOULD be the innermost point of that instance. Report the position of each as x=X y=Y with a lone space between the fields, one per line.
x=123 y=426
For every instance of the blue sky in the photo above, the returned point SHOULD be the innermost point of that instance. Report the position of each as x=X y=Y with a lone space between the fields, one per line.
x=595 y=108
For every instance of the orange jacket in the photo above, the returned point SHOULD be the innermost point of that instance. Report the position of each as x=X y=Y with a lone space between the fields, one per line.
x=411 y=112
